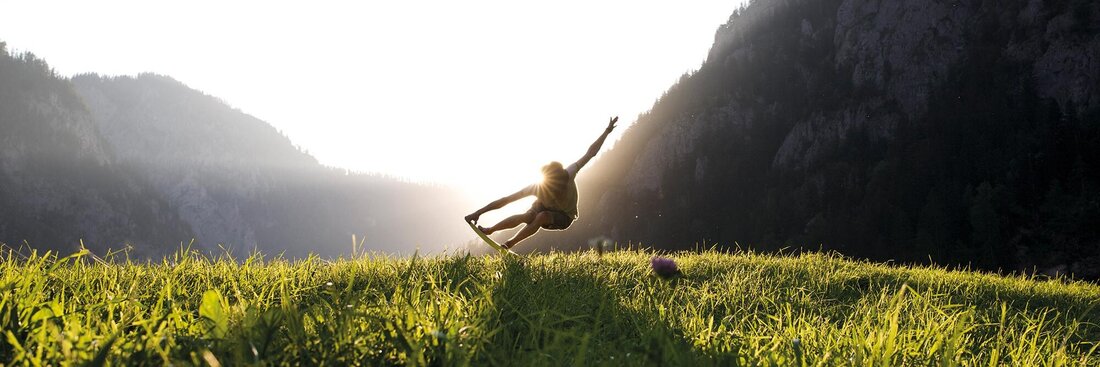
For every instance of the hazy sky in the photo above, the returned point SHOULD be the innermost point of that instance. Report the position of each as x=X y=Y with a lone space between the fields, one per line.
x=477 y=94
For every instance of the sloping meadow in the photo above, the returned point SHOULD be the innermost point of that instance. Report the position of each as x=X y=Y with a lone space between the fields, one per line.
x=551 y=310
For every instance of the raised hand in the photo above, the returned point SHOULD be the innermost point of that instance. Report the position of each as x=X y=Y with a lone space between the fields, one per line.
x=595 y=148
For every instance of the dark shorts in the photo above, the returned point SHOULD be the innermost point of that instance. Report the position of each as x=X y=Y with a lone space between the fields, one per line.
x=558 y=219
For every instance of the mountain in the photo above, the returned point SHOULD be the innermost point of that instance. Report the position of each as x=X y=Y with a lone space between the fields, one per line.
x=59 y=180
x=957 y=132
x=149 y=162
x=239 y=182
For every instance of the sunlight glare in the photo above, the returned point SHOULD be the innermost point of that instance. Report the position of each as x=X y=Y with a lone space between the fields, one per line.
x=476 y=95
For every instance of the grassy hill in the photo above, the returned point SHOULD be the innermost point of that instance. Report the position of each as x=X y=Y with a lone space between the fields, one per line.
x=552 y=309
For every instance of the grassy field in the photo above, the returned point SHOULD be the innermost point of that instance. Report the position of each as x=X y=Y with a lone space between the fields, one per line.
x=548 y=310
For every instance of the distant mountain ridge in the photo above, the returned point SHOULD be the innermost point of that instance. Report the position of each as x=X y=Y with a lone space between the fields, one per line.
x=959 y=131
x=197 y=168
x=201 y=156
x=60 y=182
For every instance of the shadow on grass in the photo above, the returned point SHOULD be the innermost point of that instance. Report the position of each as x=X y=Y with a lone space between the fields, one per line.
x=552 y=314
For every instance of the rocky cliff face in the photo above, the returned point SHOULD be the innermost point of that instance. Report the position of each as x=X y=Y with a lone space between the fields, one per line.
x=901 y=51
x=882 y=129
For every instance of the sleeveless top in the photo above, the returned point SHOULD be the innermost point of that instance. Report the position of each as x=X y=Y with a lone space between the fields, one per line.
x=564 y=201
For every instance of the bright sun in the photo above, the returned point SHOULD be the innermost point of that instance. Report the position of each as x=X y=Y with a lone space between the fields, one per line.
x=473 y=95
x=505 y=183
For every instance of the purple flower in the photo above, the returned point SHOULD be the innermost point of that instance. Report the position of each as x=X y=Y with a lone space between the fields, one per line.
x=664 y=266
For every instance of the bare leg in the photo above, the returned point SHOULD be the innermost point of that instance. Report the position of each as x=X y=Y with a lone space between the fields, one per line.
x=510 y=222
x=543 y=218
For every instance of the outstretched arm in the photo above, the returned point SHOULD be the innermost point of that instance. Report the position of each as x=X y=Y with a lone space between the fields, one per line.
x=595 y=148
x=497 y=204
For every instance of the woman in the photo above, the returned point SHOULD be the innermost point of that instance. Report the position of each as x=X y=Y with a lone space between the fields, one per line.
x=555 y=207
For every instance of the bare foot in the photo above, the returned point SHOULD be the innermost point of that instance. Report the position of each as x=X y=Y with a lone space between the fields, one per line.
x=484 y=230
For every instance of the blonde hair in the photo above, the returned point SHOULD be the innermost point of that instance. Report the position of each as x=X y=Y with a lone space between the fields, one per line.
x=554 y=178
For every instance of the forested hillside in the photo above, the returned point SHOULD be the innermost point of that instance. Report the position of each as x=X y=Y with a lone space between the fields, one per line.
x=60 y=182
x=956 y=132
x=238 y=181
x=150 y=163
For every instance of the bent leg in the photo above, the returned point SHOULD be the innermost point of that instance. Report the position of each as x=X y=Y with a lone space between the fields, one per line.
x=541 y=219
x=510 y=222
